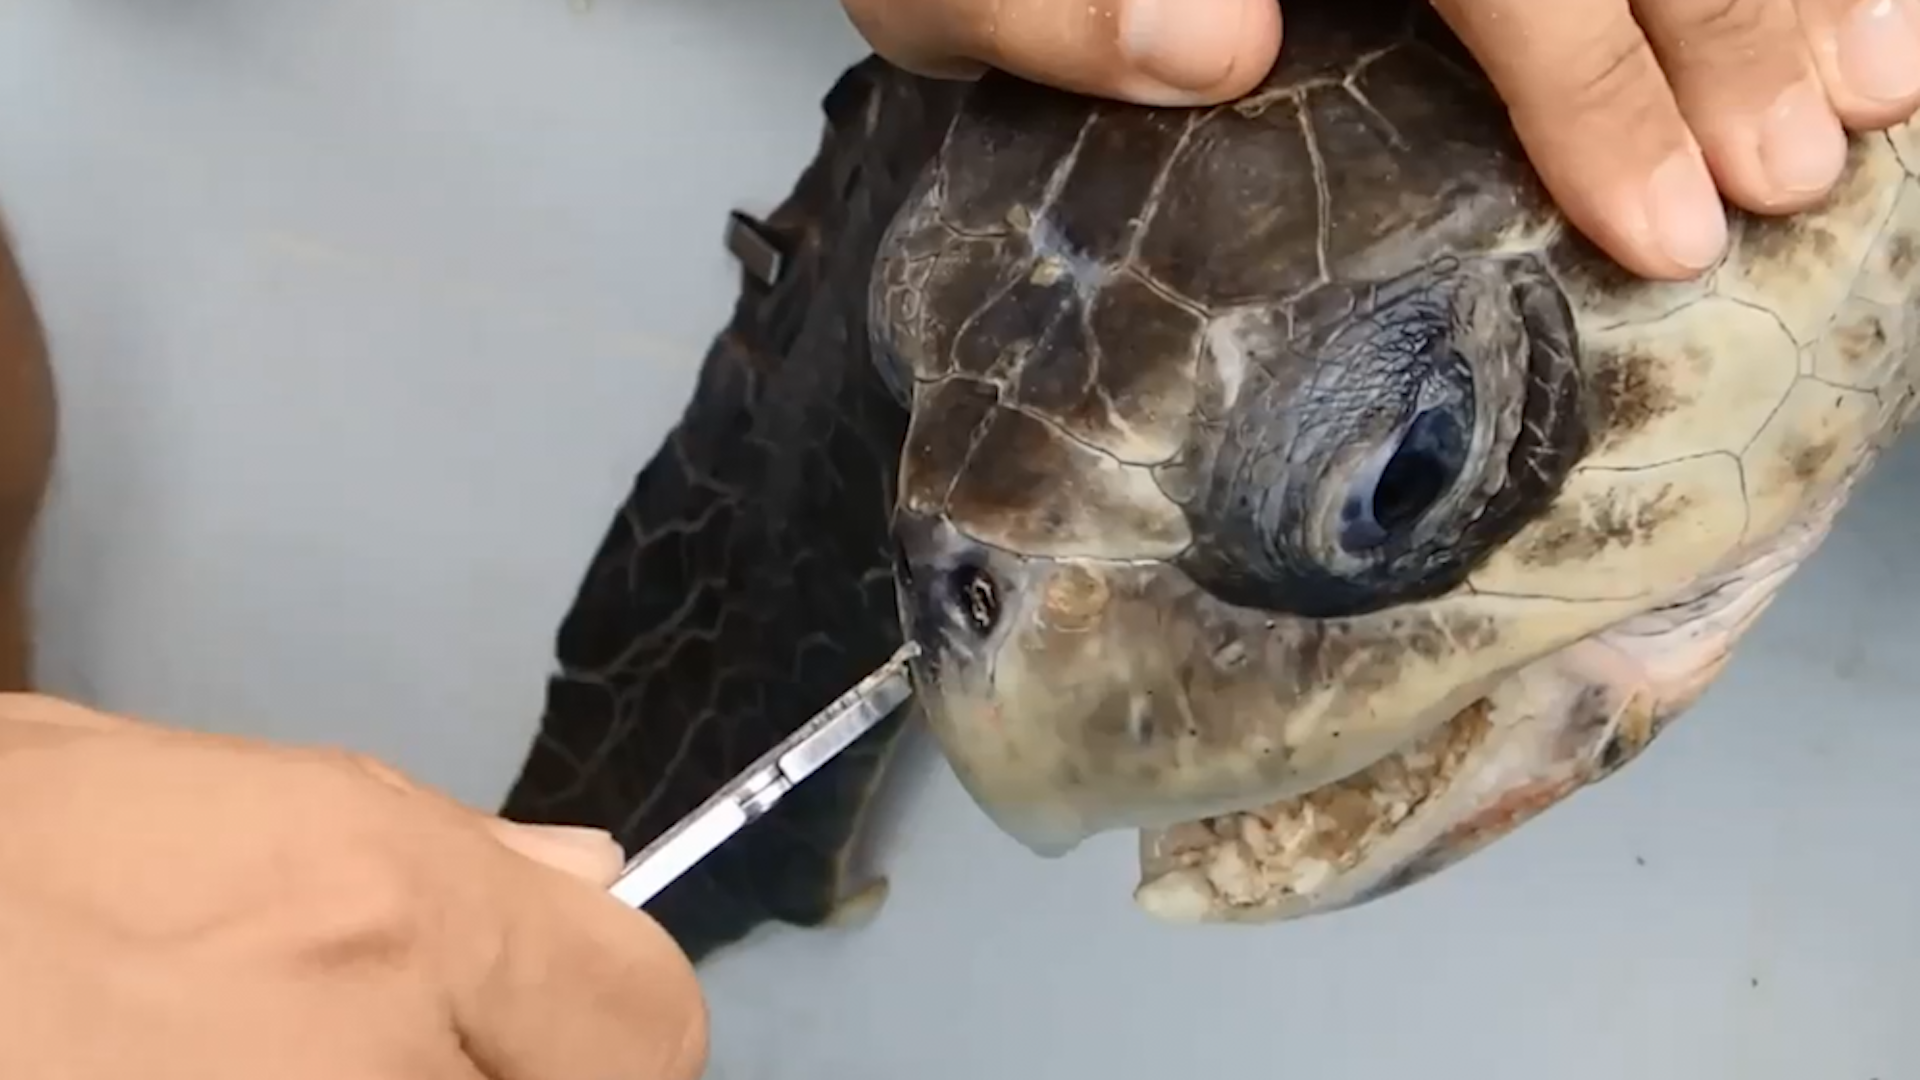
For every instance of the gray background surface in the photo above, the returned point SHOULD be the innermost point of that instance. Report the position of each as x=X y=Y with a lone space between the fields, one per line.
x=366 y=312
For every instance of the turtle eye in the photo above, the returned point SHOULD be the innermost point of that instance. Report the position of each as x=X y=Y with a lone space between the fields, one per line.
x=1403 y=481
x=1390 y=443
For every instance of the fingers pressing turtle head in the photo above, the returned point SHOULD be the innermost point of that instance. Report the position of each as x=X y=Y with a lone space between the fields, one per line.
x=1640 y=114
x=1154 y=52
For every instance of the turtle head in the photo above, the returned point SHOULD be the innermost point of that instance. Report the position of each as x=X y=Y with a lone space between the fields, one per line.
x=1319 y=507
x=1275 y=603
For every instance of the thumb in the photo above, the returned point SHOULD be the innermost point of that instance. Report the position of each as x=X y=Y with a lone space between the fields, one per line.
x=1152 y=52
x=591 y=855
x=560 y=980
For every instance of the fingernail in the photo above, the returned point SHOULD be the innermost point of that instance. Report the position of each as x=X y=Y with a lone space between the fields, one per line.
x=1683 y=209
x=584 y=852
x=1879 y=50
x=1186 y=44
x=1802 y=146
x=579 y=838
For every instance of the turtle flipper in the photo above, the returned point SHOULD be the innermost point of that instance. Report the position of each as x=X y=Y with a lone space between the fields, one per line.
x=747 y=579
x=859 y=907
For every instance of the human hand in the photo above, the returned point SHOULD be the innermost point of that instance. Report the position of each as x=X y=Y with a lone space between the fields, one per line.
x=1637 y=114
x=1153 y=52
x=178 y=906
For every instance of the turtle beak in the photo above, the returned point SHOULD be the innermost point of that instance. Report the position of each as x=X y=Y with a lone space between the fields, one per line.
x=1538 y=737
x=960 y=601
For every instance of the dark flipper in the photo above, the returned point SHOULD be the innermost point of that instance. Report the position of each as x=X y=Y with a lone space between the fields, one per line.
x=747 y=580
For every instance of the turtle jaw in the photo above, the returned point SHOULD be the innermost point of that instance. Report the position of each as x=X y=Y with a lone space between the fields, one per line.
x=1551 y=728
x=1398 y=822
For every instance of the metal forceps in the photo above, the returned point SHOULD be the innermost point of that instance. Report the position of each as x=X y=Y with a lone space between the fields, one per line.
x=742 y=800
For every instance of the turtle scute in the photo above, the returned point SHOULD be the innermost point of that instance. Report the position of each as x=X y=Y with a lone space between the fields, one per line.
x=1339 y=507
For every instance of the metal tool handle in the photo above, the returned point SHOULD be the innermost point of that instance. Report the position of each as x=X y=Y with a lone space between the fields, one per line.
x=763 y=784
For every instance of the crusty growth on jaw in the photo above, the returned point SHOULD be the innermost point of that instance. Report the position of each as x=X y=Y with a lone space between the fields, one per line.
x=1293 y=847
x=1562 y=722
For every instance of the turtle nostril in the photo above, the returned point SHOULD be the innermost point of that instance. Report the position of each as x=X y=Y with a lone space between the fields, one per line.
x=977 y=596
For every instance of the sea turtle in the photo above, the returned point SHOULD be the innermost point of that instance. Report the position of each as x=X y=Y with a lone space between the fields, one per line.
x=1284 y=480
